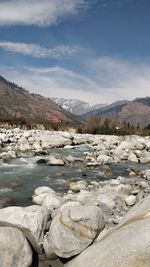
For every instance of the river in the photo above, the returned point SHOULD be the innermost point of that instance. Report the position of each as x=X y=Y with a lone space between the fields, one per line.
x=19 y=177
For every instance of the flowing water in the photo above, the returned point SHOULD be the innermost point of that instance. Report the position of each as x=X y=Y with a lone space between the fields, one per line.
x=19 y=177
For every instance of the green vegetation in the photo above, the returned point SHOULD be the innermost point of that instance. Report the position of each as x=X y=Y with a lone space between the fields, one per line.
x=93 y=125
x=98 y=125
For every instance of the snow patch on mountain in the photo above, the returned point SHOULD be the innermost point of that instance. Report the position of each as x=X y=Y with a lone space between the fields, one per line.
x=76 y=106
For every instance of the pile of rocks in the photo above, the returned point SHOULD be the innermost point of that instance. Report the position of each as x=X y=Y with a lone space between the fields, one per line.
x=103 y=148
x=127 y=245
x=94 y=219
x=107 y=149
x=57 y=230
x=65 y=226
x=115 y=196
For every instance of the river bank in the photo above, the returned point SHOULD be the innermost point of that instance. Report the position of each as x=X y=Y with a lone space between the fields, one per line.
x=84 y=185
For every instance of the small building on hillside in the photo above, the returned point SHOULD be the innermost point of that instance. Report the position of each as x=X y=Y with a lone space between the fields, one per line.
x=55 y=120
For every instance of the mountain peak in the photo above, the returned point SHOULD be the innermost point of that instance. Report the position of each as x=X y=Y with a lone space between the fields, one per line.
x=76 y=106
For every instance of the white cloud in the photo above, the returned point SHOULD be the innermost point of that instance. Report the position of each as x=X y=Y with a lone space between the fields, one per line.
x=55 y=81
x=35 y=50
x=37 y=12
x=121 y=79
x=108 y=80
x=112 y=3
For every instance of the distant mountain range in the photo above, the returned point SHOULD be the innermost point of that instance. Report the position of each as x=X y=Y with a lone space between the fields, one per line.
x=18 y=104
x=134 y=112
x=76 y=106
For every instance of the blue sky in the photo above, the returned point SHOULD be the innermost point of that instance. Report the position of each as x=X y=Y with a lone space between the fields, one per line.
x=94 y=50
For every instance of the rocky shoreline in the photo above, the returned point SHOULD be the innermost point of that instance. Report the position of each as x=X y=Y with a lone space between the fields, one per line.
x=105 y=148
x=90 y=221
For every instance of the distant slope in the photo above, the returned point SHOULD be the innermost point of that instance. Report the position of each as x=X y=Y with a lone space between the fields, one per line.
x=76 y=106
x=116 y=106
x=17 y=103
x=144 y=101
x=134 y=112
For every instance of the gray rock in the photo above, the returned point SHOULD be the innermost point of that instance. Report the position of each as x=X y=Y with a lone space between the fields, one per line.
x=4 y=137
x=46 y=197
x=120 y=154
x=127 y=245
x=78 y=186
x=124 y=189
x=23 y=141
x=130 y=200
x=104 y=159
x=31 y=221
x=15 y=251
x=145 y=157
x=55 y=162
x=107 y=200
x=93 y=164
x=51 y=202
x=72 y=230
x=53 y=140
x=132 y=157
x=114 y=182
x=43 y=190
x=73 y=159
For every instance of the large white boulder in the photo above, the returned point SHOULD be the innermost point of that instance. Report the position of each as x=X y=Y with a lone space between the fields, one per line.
x=72 y=230
x=43 y=190
x=30 y=220
x=127 y=245
x=53 y=140
x=15 y=250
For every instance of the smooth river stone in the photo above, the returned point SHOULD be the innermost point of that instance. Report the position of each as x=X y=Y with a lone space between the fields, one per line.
x=127 y=245
x=31 y=221
x=72 y=230
x=15 y=250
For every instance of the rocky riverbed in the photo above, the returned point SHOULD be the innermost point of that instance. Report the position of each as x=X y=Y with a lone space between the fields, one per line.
x=104 y=193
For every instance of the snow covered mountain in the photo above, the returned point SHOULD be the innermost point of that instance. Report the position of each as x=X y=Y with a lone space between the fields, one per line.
x=76 y=106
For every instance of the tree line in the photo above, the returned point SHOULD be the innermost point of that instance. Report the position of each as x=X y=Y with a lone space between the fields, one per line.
x=98 y=125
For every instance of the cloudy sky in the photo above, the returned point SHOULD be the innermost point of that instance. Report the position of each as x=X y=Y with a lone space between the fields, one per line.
x=93 y=50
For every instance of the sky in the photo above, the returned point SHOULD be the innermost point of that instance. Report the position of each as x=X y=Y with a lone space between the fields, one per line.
x=97 y=51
